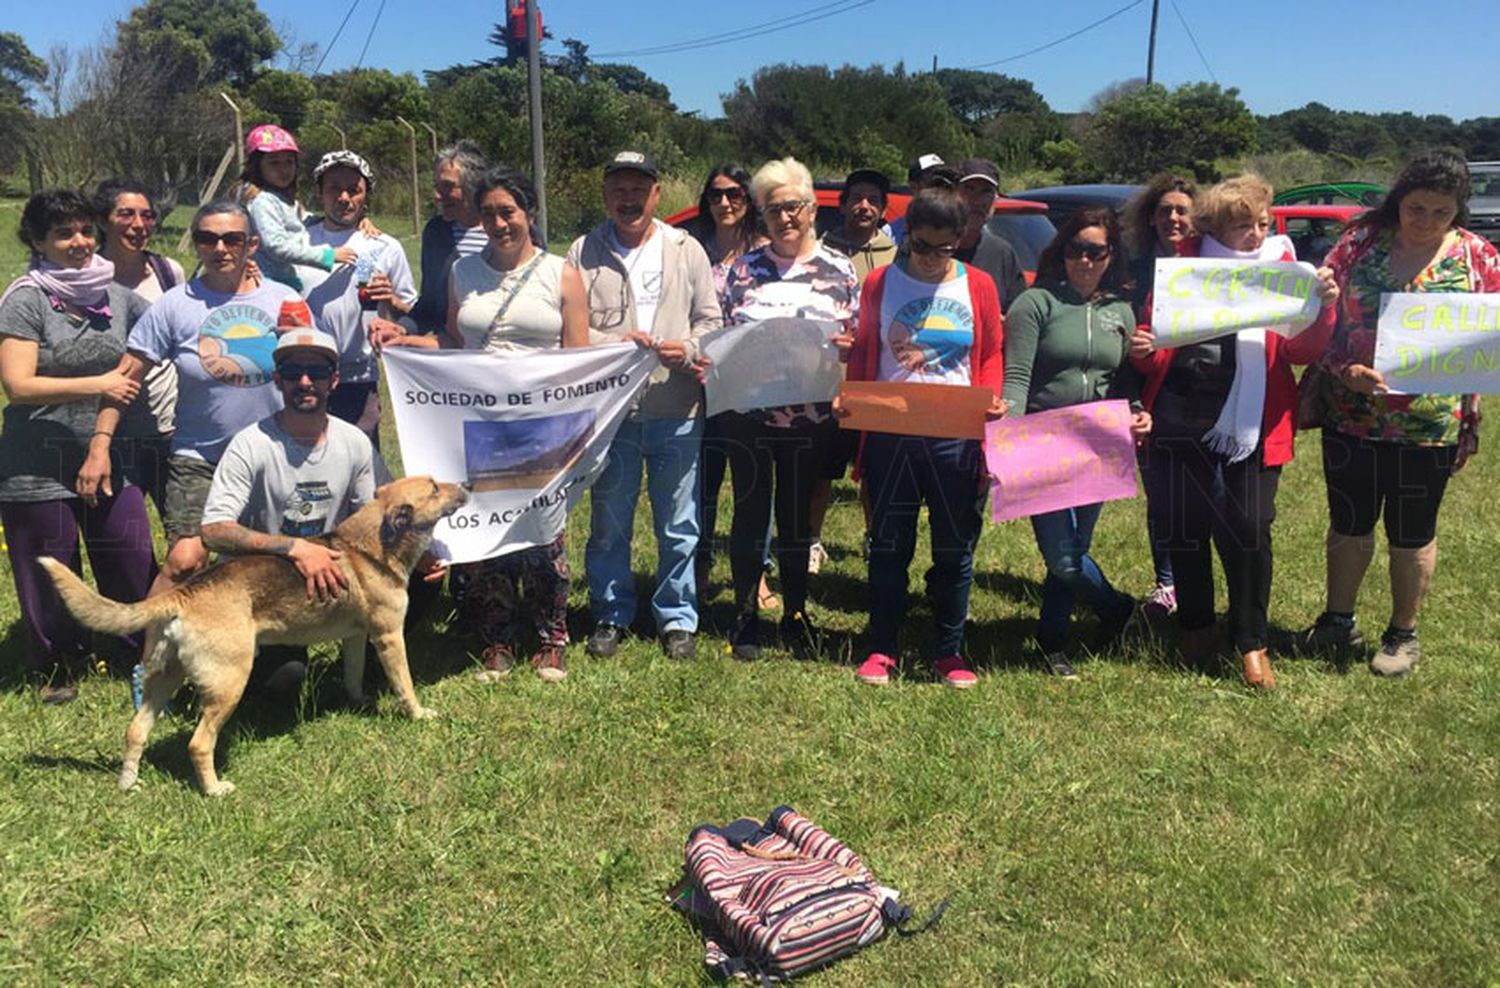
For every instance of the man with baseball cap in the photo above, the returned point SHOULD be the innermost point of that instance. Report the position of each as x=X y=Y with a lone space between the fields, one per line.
x=979 y=183
x=925 y=170
x=652 y=284
x=862 y=204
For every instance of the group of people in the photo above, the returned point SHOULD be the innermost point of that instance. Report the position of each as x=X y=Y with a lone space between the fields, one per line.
x=244 y=400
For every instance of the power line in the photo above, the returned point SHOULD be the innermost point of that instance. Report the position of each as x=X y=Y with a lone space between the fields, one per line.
x=373 y=24
x=1201 y=57
x=740 y=34
x=1054 y=43
x=347 y=14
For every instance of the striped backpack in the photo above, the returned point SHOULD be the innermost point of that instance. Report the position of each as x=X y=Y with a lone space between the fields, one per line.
x=775 y=900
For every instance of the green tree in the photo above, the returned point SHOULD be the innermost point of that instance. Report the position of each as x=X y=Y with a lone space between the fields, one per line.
x=20 y=70
x=284 y=95
x=976 y=96
x=1151 y=129
x=229 y=39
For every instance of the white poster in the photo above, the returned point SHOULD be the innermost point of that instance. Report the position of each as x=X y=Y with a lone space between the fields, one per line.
x=1202 y=298
x=529 y=433
x=1439 y=344
x=771 y=363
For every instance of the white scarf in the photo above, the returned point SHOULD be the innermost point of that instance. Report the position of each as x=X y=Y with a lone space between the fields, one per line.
x=1237 y=431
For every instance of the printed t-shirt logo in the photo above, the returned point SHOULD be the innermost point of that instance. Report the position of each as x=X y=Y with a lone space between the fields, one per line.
x=306 y=512
x=932 y=335
x=235 y=344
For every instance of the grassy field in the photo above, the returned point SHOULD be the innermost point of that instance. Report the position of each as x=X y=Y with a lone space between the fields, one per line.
x=1140 y=826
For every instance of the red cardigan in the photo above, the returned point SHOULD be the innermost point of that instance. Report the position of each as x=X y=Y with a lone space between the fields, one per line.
x=986 y=368
x=1277 y=430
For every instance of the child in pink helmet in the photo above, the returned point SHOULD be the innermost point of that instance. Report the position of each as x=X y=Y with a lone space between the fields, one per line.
x=268 y=189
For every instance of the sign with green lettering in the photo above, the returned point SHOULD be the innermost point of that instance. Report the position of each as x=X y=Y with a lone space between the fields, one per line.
x=1201 y=298
x=1439 y=343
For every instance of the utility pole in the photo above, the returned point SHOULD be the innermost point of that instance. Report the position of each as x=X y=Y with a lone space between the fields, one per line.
x=534 y=84
x=1151 y=49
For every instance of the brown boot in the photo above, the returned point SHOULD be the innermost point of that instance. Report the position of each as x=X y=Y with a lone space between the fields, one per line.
x=1199 y=647
x=1258 y=672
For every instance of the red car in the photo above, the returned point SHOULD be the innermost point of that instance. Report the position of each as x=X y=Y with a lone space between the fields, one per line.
x=1022 y=224
x=1313 y=229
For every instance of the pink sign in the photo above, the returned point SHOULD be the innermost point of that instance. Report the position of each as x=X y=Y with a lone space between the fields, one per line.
x=1048 y=461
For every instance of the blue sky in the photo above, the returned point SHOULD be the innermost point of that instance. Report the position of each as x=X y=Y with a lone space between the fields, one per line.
x=1375 y=55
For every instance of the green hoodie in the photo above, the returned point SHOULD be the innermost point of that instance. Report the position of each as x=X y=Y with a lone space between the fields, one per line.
x=1061 y=350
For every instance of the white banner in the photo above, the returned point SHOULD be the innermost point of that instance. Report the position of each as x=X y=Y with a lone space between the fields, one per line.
x=771 y=363
x=1439 y=344
x=1202 y=298
x=530 y=433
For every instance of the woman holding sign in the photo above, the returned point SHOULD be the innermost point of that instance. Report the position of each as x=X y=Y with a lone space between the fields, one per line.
x=1067 y=343
x=1385 y=452
x=1223 y=429
x=932 y=320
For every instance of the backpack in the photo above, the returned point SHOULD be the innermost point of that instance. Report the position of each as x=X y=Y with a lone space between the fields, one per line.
x=777 y=899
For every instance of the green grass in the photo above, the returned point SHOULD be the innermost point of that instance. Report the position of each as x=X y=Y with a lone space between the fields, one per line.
x=1140 y=826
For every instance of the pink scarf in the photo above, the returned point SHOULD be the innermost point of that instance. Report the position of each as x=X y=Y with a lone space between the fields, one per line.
x=85 y=288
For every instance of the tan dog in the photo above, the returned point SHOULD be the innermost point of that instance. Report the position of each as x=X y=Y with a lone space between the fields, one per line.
x=206 y=630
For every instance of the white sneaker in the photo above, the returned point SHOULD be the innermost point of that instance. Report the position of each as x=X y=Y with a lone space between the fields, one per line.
x=816 y=557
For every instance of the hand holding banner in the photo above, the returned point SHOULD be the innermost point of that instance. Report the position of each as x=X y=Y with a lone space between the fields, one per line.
x=1439 y=343
x=770 y=363
x=908 y=408
x=1047 y=461
x=1202 y=298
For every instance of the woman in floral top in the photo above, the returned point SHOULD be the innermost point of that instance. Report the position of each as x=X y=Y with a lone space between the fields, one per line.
x=774 y=453
x=1391 y=452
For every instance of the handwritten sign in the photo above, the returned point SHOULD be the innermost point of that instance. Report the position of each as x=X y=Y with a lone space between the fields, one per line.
x=770 y=363
x=1047 y=461
x=1439 y=343
x=1201 y=298
x=908 y=408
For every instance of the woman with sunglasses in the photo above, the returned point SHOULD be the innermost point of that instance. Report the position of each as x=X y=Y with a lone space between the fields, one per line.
x=926 y=319
x=1067 y=343
x=728 y=226
x=126 y=217
x=63 y=326
x=775 y=454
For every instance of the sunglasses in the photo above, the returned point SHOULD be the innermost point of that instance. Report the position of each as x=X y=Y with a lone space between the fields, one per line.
x=776 y=210
x=1094 y=252
x=146 y=215
x=320 y=371
x=733 y=194
x=923 y=248
x=234 y=239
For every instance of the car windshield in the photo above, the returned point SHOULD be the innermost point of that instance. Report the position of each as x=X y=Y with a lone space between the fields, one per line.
x=1485 y=182
x=1027 y=233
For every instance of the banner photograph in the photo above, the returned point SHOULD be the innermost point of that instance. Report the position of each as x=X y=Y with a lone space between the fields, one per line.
x=528 y=433
x=771 y=363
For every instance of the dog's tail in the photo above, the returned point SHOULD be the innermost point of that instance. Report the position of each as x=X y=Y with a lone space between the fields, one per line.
x=101 y=613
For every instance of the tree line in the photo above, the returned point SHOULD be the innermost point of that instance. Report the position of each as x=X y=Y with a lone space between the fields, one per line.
x=147 y=103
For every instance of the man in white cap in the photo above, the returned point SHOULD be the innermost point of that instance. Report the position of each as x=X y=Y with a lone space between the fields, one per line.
x=294 y=474
x=925 y=170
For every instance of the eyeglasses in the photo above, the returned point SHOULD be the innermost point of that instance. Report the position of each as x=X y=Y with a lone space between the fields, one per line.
x=234 y=239
x=923 y=248
x=320 y=371
x=734 y=194
x=777 y=210
x=127 y=214
x=1077 y=249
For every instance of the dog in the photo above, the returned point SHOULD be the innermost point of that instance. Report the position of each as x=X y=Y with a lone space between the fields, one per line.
x=206 y=630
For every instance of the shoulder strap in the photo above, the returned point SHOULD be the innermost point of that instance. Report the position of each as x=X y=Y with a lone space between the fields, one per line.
x=516 y=284
x=165 y=277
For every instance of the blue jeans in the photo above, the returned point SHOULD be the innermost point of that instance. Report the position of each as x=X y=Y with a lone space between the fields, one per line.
x=668 y=448
x=901 y=473
x=1064 y=538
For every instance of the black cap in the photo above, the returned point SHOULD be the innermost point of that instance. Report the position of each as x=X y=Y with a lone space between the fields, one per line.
x=923 y=163
x=869 y=175
x=979 y=168
x=633 y=161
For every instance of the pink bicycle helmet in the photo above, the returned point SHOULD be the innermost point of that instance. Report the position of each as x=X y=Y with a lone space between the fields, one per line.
x=268 y=139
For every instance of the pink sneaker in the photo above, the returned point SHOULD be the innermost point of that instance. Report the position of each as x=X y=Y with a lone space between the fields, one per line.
x=952 y=670
x=876 y=670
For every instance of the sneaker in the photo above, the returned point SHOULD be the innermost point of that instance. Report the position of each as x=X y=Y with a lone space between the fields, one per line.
x=551 y=663
x=1057 y=663
x=1399 y=654
x=744 y=640
x=1331 y=633
x=952 y=670
x=679 y=643
x=799 y=636
x=876 y=670
x=605 y=641
x=497 y=662
x=816 y=557
x=1161 y=603
x=55 y=694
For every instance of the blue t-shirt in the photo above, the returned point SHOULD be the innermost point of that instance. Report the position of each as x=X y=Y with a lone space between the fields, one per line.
x=221 y=345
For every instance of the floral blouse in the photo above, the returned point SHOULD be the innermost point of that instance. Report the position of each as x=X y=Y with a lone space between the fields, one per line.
x=822 y=287
x=1361 y=263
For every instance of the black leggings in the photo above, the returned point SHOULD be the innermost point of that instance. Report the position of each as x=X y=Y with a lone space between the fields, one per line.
x=1365 y=476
